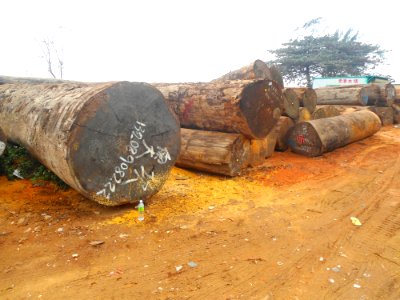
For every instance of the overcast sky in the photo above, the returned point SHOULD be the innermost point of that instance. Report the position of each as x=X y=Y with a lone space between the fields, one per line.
x=175 y=40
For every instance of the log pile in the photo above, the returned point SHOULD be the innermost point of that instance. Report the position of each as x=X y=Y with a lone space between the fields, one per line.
x=378 y=98
x=113 y=142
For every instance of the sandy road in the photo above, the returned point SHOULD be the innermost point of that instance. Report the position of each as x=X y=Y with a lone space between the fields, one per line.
x=281 y=231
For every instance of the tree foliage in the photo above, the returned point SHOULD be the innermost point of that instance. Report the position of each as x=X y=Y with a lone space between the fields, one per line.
x=326 y=55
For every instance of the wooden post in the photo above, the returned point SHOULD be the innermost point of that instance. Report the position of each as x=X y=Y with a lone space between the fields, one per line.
x=283 y=126
x=248 y=107
x=214 y=152
x=312 y=138
x=113 y=142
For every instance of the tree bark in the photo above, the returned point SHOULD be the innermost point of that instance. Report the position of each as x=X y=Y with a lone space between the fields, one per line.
x=283 y=126
x=248 y=107
x=291 y=104
x=262 y=149
x=312 y=138
x=387 y=95
x=385 y=114
x=307 y=98
x=325 y=111
x=256 y=70
x=348 y=95
x=113 y=142
x=214 y=152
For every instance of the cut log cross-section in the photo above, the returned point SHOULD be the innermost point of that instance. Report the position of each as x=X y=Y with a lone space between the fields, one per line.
x=307 y=98
x=214 y=152
x=113 y=142
x=250 y=107
x=325 y=111
x=313 y=138
x=291 y=104
x=387 y=95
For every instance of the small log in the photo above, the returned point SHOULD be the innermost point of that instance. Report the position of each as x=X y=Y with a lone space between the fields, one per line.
x=325 y=111
x=385 y=114
x=283 y=127
x=387 y=95
x=262 y=149
x=396 y=113
x=312 y=138
x=113 y=142
x=256 y=70
x=291 y=104
x=304 y=115
x=251 y=108
x=214 y=152
x=359 y=95
x=307 y=98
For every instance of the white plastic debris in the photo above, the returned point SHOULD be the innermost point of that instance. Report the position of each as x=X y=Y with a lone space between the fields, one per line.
x=355 y=221
x=178 y=268
x=356 y=285
x=17 y=173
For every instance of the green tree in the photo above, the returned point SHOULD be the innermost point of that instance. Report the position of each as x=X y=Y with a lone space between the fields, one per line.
x=334 y=54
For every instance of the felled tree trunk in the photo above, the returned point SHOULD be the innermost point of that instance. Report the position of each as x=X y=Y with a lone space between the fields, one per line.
x=262 y=149
x=348 y=95
x=256 y=70
x=325 y=111
x=283 y=127
x=385 y=114
x=291 y=104
x=387 y=95
x=312 y=138
x=214 y=152
x=248 y=107
x=307 y=98
x=113 y=142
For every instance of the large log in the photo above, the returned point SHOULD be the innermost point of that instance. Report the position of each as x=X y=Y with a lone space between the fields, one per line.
x=256 y=70
x=387 y=95
x=248 y=107
x=385 y=114
x=349 y=96
x=312 y=138
x=214 y=152
x=276 y=75
x=291 y=104
x=283 y=127
x=304 y=115
x=307 y=98
x=262 y=149
x=325 y=111
x=113 y=142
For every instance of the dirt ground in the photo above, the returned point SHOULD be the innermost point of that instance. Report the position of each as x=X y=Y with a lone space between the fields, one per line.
x=279 y=231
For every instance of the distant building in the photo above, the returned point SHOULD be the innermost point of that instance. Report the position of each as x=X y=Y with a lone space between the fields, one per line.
x=348 y=80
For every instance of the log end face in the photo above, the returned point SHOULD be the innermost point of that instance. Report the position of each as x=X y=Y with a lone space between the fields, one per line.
x=303 y=139
x=123 y=144
x=261 y=106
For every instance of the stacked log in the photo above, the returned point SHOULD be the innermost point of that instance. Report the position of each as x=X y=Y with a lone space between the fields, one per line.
x=304 y=115
x=385 y=114
x=396 y=113
x=113 y=142
x=249 y=107
x=313 y=138
x=349 y=95
x=256 y=70
x=397 y=93
x=214 y=152
x=291 y=104
x=307 y=98
x=282 y=128
x=262 y=149
x=387 y=95
x=325 y=111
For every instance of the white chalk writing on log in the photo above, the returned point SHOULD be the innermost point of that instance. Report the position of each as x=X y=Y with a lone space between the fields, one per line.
x=160 y=155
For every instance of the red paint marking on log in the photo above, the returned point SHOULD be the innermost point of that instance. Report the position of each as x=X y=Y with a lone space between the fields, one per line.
x=300 y=139
x=187 y=108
